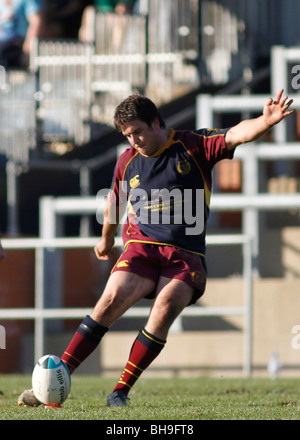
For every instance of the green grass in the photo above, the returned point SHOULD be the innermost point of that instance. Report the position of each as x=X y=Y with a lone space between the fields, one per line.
x=163 y=399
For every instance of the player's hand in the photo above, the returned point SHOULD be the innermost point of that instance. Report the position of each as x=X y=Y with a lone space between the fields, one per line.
x=104 y=249
x=2 y=253
x=276 y=110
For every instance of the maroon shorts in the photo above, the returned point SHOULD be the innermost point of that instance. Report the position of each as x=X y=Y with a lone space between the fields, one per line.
x=153 y=261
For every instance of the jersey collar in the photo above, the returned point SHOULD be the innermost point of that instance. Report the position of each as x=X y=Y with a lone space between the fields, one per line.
x=164 y=147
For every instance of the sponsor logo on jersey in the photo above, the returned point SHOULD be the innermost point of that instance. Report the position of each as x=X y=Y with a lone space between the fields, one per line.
x=134 y=182
x=124 y=263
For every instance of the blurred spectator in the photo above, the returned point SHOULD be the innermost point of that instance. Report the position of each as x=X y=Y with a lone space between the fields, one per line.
x=20 y=22
x=120 y=7
x=63 y=17
x=86 y=32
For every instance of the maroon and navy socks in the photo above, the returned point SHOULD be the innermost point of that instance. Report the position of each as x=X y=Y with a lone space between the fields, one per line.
x=85 y=340
x=88 y=335
x=144 y=350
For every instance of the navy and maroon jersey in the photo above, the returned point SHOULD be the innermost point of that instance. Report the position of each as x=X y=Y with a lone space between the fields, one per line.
x=170 y=190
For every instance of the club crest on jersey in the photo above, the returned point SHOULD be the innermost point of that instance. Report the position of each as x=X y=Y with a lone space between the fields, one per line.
x=197 y=278
x=134 y=182
x=184 y=167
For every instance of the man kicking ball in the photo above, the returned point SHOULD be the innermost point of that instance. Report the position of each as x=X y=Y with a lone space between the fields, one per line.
x=162 y=260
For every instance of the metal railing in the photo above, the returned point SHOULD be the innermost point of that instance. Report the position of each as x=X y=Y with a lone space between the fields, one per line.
x=208 y=108
x=51 y=208
x=249 y=203
x=39 y=313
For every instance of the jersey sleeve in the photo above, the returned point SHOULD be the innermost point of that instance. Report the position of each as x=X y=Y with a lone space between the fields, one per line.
x=214 y=145
x=119 y=191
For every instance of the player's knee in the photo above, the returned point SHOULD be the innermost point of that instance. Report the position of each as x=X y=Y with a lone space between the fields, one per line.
x=169 y=309
x=115 y=298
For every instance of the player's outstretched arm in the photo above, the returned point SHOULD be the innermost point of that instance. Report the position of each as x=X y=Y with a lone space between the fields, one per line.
x=250 y=130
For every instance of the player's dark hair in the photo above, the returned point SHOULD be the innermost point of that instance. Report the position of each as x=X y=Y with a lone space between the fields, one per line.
x=137 y=107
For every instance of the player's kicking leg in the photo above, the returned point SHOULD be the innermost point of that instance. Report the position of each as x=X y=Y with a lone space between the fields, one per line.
x=173 y=295
x=123 y=289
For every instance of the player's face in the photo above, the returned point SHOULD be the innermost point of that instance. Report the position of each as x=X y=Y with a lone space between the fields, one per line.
x=147 y=140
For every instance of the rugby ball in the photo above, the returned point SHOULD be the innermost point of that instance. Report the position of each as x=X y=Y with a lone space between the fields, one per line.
x=51 y=381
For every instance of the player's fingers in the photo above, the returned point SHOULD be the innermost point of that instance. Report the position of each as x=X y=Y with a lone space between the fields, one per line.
x=290 y=112
x=103 y=257
x=278 y=97
x=97 y=252
x=287 y=105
